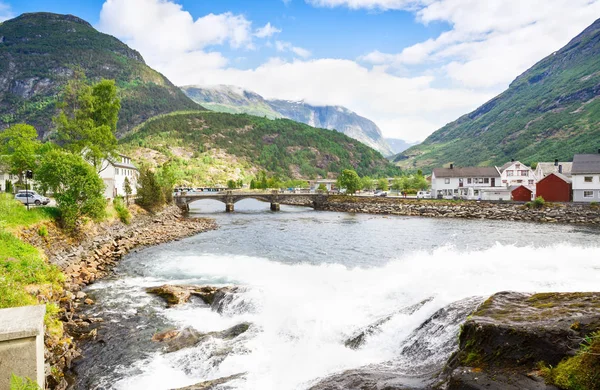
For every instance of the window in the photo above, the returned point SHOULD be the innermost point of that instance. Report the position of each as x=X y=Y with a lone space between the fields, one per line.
x=447 y=181
x=486 y=180
x=517 y=166
x=588 y=179
x=480 y=180
x=588 y=194
x=530 y=182
x=510 y=173
x=524 y=173
x=469 y=180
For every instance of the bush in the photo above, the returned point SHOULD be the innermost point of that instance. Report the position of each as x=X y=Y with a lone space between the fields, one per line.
x=8 y=186
x=18 y=383
x=43 y=231
x=538 y=202
x=593 y=204
x=122 y=211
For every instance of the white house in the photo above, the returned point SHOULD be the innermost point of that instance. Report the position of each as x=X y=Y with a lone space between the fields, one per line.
x=114 y=171
x=543 y=169
x=466 y=182
x=586 y=177
x=4 y=177
x=514 y=173
x=330 y=184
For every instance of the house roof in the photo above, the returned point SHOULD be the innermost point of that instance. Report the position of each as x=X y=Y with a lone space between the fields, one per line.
x=512 y=188
x=124 y=165
x=560 y=176
x=586 y=163
x=508 y=164
x=547 y=168
x=466 y=172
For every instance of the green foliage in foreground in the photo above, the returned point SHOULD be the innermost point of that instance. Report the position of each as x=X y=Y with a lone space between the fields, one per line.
x=19 y=383
x=149 y=192
x=22 y=265
x=281 y=147
x=122 y=210
x=580 y=372
x=349 y=180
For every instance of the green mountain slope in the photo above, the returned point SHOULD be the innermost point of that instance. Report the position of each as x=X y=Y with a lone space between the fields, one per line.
x=227 y=98
x=211 y=147
x=39 y=53
x=550 y=111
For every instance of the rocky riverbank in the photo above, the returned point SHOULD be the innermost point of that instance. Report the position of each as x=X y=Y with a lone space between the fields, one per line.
x=90 y=256
x=506 y=211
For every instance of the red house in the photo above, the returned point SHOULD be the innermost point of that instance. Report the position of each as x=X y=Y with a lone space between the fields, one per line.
x=555 y=187
x=521 y=194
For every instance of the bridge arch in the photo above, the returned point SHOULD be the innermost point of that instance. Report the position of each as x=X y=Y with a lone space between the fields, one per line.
x=229 y=198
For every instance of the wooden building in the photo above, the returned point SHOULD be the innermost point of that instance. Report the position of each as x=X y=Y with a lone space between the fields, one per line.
x=521 y=193
x=555 y=187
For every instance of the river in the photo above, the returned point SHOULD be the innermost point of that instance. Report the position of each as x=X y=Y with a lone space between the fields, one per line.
x=309 y=281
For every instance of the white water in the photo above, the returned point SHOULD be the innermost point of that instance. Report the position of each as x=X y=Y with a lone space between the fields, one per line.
x=301 y=313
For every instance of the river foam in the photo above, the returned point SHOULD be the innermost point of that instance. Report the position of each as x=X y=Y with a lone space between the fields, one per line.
x=302 y=313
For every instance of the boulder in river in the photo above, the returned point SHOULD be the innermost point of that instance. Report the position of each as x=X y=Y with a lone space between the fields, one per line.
x=213 y=383
x=178 y=294
x=511 y=335
x=188 y=337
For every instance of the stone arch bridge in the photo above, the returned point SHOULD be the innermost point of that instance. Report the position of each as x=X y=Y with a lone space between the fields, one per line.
x=275 y=198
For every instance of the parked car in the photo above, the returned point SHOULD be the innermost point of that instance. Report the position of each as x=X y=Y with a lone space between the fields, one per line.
x=31 y=197
x=380 y=193
x=423 y=195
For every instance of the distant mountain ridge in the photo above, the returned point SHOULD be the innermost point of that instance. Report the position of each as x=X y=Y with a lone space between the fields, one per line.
x=40 y=52
x=399 y=145
x=224 y=98
x=551 y=111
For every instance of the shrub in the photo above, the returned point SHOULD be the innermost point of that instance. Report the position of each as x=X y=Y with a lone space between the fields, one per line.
x=19 y=383
x=122 y=211
x=8 y=186
x=538 y=202
x=43 y=231
x=593 y=204
x=150 y=193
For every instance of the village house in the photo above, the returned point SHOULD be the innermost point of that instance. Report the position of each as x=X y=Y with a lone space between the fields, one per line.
x=4 y=177
x=468 y=183
x=585 y=175
x=555 y=187
x=520 y=193
x=330 y=184
x=543 y=169
x=514 y=173
x=114 y=171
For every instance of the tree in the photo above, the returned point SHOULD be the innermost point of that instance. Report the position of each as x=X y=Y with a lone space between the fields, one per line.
x=149 y=191
x=231 y=184
x=128 y=189
x=367 y=183
x=167 y=177
x=349 y=180
x=77 y=188
x=382 y=184
x=87 y=121
x=418 y=183
x=397 y=184
x=322 y=187
x=19 y=147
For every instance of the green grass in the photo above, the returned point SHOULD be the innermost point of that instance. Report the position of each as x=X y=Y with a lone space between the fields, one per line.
x=14 y=214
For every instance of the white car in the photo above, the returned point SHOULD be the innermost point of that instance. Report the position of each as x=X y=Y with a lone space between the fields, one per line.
x=31 y=197
x=423 y=195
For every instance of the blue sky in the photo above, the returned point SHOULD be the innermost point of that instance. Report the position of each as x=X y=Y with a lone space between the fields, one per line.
x=409 y=65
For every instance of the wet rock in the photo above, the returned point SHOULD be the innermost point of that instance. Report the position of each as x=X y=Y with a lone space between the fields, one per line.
x=188 y=337
x=359 y=338
x=213 y=383
x=166 y=335
x=511 y=333
x=367 y=379
x=173 y=295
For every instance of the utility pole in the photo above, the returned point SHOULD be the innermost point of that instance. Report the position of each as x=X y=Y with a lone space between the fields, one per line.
x=28 y=175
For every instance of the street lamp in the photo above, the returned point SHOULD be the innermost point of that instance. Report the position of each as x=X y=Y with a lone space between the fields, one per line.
x=28 y=175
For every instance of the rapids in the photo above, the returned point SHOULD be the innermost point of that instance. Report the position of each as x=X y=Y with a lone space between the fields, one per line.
x=308 y=282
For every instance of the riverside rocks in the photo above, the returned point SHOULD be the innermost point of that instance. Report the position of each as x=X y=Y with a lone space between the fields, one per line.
x=503 y=343
x=91 y=256
x=506 y=211
x=213 y=383
x=176 y=295
x=188 y=337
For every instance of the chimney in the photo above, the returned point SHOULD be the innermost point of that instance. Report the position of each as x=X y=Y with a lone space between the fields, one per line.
x=560 y=169
x=451 y=166
x=555 y=162
x=512 y=160
x=598 y=151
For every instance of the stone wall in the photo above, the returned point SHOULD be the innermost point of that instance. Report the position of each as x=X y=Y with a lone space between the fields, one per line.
x=508 y=211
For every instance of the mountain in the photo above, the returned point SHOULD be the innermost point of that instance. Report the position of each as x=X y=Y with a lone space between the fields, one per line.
x=550 y=111
x=213 y=147
x=224 y=98
x=40 y=52
x=399 y=145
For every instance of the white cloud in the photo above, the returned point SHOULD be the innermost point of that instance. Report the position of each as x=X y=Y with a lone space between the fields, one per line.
x=409 y=94
x=266 y=31
x=5 y=12
x=287 y=46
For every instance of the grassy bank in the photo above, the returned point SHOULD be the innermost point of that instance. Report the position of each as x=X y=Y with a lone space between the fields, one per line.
x=25 y=276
